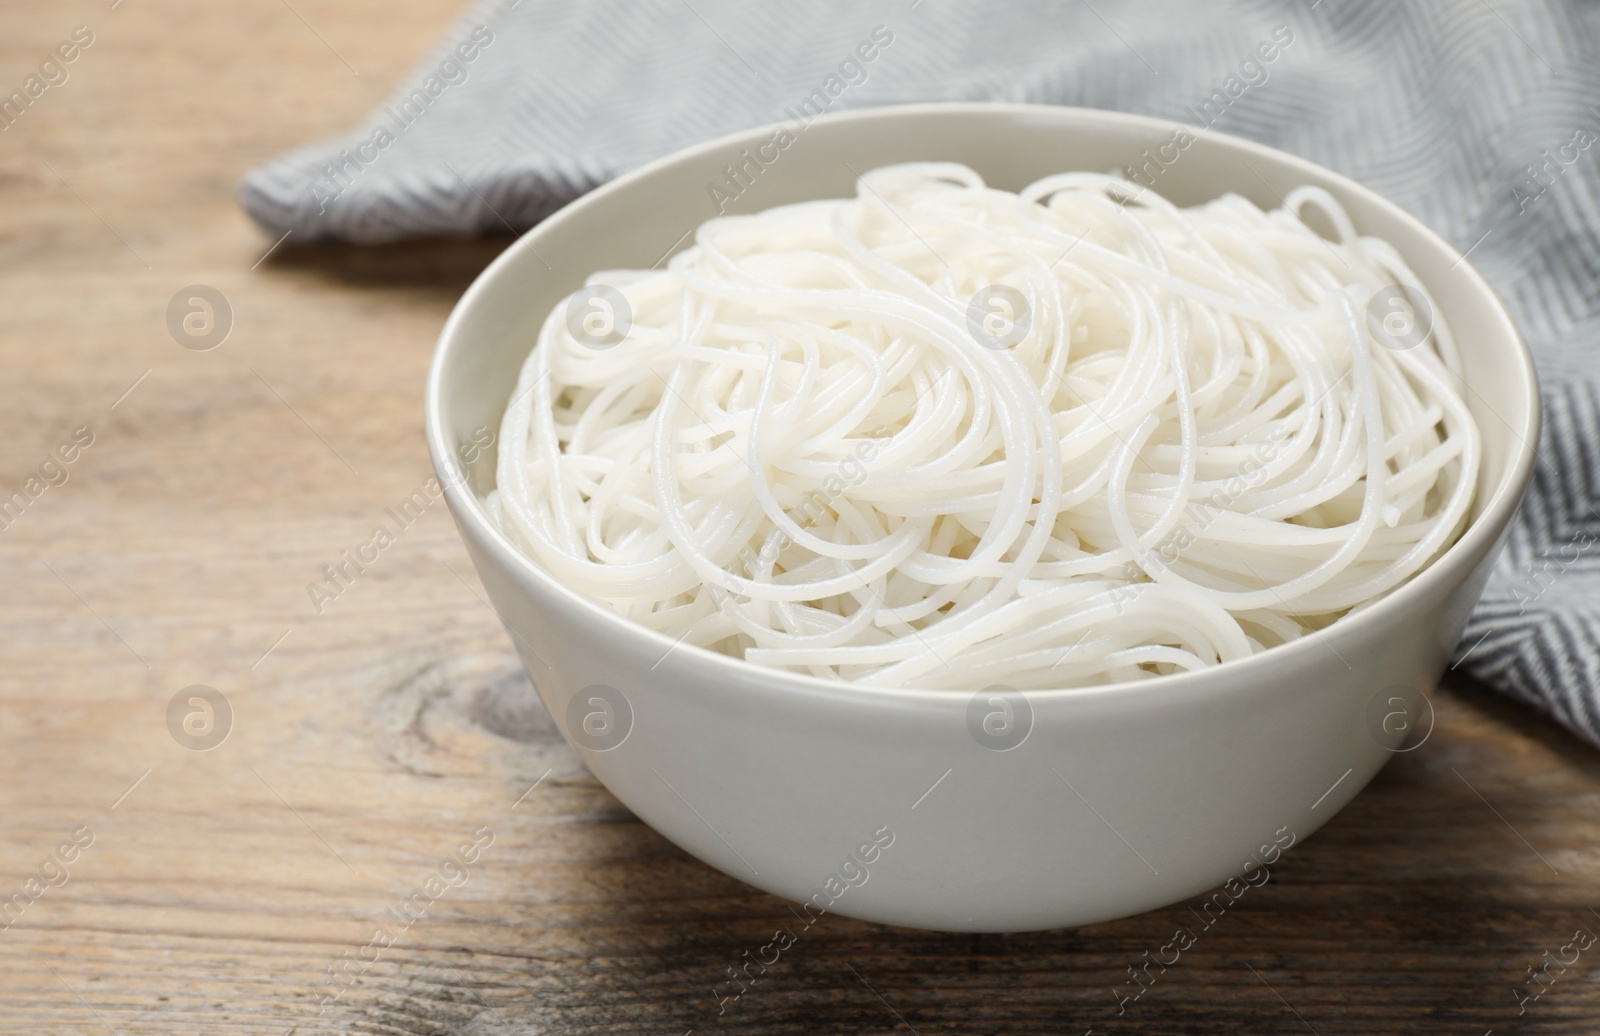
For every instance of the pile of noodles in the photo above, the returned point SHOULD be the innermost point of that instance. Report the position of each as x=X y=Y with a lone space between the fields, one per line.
x=942 y=435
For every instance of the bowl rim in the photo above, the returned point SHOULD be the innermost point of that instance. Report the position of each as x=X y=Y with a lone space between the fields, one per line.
x=1477 y=538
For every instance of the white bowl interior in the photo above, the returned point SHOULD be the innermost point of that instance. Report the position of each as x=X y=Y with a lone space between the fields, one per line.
x=640 y=219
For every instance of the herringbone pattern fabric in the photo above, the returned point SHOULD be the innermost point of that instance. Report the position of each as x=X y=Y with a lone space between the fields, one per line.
x=1463 y=111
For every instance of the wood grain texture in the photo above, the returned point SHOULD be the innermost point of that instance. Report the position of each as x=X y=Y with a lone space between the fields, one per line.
x=221 y=886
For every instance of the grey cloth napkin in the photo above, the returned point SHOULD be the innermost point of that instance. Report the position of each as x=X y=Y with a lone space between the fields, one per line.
x=1479 y=118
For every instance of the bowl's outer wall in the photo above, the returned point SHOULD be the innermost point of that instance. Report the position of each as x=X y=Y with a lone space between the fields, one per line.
x=1119 y=801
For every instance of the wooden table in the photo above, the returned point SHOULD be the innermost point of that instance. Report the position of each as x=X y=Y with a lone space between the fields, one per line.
x=222 y=887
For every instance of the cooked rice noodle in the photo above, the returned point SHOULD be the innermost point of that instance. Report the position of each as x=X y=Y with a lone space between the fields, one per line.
x=813 y=449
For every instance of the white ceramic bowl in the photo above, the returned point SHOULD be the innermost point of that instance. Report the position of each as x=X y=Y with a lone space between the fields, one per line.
x=1122 y=798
